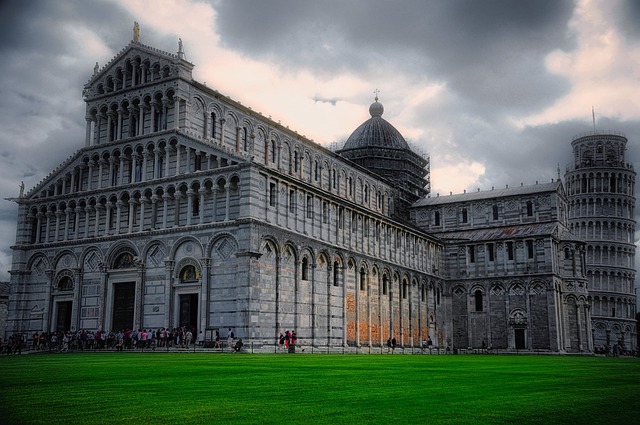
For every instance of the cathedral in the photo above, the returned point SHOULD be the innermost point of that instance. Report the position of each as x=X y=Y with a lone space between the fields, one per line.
x=186 y=208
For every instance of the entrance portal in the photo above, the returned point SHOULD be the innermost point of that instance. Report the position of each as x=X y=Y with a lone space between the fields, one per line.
x=63 y=319
x=520 y=344
x=189 y=311
x=124 y=295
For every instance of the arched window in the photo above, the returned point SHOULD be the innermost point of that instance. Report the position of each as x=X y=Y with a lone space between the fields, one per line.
x=336 y=274
x=65 y=284
x=478 y=299
x=494 y=210
x=189 y=273
x=196 y=207
x=213 y=125
x=385 y=284
x=437 y=218
x=305 y=268
x=363 y=279
x=529 y=208
x=272 y=194
x=465 y=215
x=273 y=151
x=123 y=261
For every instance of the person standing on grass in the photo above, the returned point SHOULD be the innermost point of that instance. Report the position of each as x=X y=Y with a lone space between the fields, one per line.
x=143 y=339
x=230 y=337
x=393 y=344
x=281 y=341
x=188 y=336
x=388 y=344
x=119 y=341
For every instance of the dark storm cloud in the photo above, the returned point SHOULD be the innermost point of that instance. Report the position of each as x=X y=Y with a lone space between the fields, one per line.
x=491 y=51
x=36 y=25
x=629 y=18
x=42 y=72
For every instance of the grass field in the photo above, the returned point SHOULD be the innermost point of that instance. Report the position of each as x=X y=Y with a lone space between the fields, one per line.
x=204 y=388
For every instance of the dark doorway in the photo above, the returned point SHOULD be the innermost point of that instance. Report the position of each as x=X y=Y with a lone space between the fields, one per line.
x=63 y=320
x=520 y=344
x=189 y=310
x=124 y=295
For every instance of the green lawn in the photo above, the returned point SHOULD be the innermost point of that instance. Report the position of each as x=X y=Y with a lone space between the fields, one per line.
x=203 y=388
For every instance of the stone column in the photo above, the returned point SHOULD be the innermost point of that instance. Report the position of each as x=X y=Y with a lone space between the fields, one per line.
x=96 y=231
x=214 y=191
x=139 y=301
x=154 y=211
x=118 y=135
x=152 y=118
x=168 y=290
x=178 y=159
x=58 y=215
x=167 y=157
x=201 y=219
x=47 y=319
x=176 y=112
x=79 y=211
x=121 y=170
x=165 y=208
x=145 y=164
x=226 y=206
x=156 y=164
x=90 y=176
x=189 y=206
x=110 y=117
x=77 y=287
x=205 y=304
x=39 y=224
x=87 y=135
x=143 y=203
x=119 y=205
x=65 y=233
x=132 y=203
x=165 y=112
x=222 y=121
x=104 y=276
x=87 y=214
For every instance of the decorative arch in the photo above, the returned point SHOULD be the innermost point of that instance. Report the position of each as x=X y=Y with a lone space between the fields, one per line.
x=65 y=281
x=122 y=257
x=188 y=270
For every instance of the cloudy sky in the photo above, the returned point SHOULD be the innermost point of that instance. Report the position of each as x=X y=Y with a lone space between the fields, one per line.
x=493 y=90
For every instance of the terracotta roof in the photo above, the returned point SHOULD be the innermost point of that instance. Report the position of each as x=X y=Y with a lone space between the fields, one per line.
x=489 y=194
x=500 y=233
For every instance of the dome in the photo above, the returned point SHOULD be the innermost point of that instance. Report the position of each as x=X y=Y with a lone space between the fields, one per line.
x=376 y=132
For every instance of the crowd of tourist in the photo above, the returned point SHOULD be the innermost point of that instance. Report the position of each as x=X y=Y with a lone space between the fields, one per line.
x=287 y=340
x=181 y=337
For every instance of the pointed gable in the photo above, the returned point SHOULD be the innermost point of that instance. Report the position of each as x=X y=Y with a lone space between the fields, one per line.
x=135 y=65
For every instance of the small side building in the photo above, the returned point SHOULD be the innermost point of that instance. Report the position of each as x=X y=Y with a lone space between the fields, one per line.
x=516 y=276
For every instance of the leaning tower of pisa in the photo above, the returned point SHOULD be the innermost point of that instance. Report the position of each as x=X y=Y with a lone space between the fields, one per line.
x=600 y=188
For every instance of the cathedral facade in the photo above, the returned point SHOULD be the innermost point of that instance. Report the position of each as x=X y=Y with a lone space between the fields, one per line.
x=186 y=208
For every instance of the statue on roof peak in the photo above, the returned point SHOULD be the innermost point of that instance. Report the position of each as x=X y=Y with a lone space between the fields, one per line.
x=136 y=31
